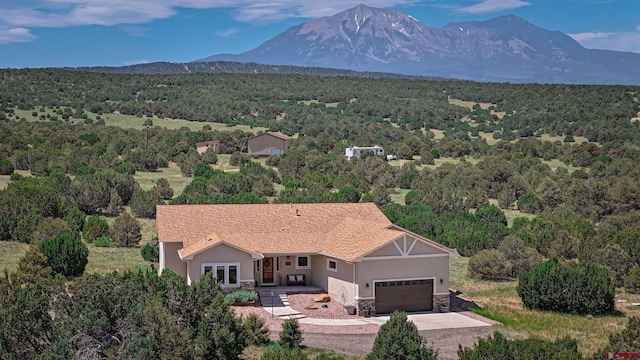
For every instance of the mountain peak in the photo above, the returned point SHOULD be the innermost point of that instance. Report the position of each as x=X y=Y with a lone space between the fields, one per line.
x=505 y=48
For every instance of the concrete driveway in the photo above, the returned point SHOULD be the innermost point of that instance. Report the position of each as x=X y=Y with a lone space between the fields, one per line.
x=436 y=321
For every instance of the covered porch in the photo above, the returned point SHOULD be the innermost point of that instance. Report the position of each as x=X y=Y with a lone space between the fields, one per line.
x=283 y=270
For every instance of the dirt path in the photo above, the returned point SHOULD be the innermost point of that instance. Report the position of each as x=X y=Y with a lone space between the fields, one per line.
x=446 y=341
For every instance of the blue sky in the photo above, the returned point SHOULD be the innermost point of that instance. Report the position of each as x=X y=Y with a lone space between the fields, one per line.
x=55 y=33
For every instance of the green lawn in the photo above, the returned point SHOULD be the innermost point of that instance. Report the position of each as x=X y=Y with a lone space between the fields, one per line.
x=500 y=300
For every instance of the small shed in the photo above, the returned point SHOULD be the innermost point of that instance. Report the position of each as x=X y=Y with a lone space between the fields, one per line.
x=201 y=147
x=269 y=143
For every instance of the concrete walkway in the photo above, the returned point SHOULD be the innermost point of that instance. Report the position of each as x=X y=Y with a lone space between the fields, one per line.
x=424 y=321
x=276 y=303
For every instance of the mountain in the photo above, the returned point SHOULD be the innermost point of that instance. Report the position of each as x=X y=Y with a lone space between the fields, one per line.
x=506 y=48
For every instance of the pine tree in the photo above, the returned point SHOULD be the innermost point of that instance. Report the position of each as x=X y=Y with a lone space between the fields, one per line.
x=66 y=255
x=399 y=339
x=125 y=231
x=291 y=335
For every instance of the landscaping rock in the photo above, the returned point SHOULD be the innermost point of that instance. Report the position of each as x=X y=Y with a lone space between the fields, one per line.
x=311 y=307
x=322 y=298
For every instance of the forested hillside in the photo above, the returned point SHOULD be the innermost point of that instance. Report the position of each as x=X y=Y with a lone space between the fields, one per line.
x=347 y=108
x=481 y=168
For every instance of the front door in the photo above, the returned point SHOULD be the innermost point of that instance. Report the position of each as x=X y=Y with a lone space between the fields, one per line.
x=267 y=270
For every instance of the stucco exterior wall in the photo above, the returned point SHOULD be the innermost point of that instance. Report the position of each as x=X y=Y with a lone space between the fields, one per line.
x=369 y=271
x=421 y=247
x=262 y=145
x=338 y=283
x=387 y=250
x=172 y=259
x=222 y=254
x=288 y=267
x=405 y=244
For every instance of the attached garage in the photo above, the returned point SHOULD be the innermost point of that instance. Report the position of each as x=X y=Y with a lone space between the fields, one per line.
x=405 y=295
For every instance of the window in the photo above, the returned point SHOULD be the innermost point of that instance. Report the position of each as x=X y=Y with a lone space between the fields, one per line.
x=302 y=262
x=332 y=265
x=226 y=273
x=277 y=263
x=257 y=265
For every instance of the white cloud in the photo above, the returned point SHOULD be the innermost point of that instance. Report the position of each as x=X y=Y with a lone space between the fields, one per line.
x=13 y=35
x=226 y=33
x=65 y=13
x=17 y=18
x=491 y=6
x=619 y=41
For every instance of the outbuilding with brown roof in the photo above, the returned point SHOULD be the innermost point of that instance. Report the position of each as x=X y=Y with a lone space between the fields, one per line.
x=269 y=143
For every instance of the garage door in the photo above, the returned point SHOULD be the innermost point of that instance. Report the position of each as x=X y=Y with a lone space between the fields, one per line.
x=406 y=295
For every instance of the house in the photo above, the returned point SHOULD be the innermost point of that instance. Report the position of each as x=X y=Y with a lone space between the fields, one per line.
x=359 y=151
x=201 y=147
x=269 y=143
x=351 y=250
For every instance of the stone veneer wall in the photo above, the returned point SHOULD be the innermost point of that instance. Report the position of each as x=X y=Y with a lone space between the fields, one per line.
x=439 y=300
x=247 y=285
x=364 y=304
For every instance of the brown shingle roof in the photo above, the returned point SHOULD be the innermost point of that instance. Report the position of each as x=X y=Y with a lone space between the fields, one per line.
x=274 y=134
x=346 y=231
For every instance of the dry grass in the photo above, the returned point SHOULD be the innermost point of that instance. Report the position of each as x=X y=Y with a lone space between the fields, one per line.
x=6 y=179
x=10 y=254
x=449 y=160
x=397 y=196
x=484 y=106
x=555 y=164
x=177 y=181
x=134 y=122
x=511 y=213
x=501 y=300
x=578 y=139
x=439 y=134
x=101 y=260
x=488 y=137
x=106 y=260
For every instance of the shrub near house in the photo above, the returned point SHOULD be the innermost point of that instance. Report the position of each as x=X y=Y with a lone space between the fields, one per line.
x=585 y=288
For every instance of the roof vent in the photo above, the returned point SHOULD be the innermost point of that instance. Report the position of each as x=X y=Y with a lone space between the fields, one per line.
x=298 y=213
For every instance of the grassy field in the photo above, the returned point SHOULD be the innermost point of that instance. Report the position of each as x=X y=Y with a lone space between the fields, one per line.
x=134 y=122
x=5 y=179
x=10 y=253
x=397 y=195
x=439 y=134
x=177 y=181
x=484 y=106
x=101 y=260
x=555 y=164
x=106 y=260
x=501 y=301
